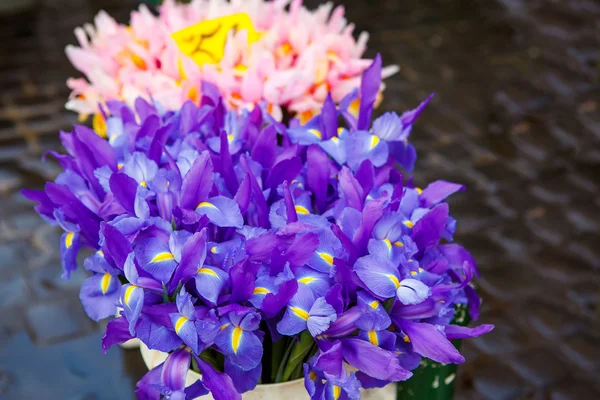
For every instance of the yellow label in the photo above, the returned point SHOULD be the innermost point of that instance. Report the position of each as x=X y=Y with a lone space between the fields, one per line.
x=205 y=41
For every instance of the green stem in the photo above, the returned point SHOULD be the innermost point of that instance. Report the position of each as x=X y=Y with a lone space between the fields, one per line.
x=277 y=350
x=206 y=356
x=286 y=356
x=301 y=349
x=298 y=372
x=194 y=366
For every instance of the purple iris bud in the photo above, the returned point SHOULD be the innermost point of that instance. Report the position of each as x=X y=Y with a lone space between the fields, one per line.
x=173 y=373
x=345 y=324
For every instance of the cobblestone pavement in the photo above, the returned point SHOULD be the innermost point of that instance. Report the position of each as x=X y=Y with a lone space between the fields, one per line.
x=516 y=118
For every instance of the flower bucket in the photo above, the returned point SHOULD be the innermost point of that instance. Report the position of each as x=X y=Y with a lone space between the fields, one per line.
x=293 y=390
x=431 y=381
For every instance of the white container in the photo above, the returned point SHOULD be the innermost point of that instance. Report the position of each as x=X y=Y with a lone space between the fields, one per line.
x=131 y=344
x=293 y=390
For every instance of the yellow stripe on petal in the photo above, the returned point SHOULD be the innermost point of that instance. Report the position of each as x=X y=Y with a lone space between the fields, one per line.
x=398 y=244
x=306 y=280
x=236 y=338
x=388 y=243
x=208 y=271
x=312 y=375
x=408 y=223
x=261 y=290
x=301 y=210
x=143 y=184
x=105 y=282
x=373 y=338
x=128 y=294
x=179 y=324
x=69 y=239
x=224 y=326
x=419 y=190
x=374 y=304
x=337 y=392
x=317 y=133
x=205 y=204
x=328 y=258
x=164 y=256
x=300 y=312
x=374 y=141
x=406 y=339
x=394 y=280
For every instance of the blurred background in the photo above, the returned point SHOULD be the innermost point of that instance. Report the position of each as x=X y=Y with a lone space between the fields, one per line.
x=516 y=118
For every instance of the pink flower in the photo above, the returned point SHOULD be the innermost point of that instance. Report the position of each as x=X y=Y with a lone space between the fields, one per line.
x=300 y=56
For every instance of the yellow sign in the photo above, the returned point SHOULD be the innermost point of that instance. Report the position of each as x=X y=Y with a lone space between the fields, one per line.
x=205 y=41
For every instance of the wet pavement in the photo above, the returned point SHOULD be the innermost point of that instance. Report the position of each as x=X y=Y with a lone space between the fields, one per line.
x=516 y=118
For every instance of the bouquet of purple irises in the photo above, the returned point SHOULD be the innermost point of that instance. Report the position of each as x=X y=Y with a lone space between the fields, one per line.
x=254 y=252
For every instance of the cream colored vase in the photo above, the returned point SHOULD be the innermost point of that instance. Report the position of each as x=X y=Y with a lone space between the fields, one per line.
x=293 y=390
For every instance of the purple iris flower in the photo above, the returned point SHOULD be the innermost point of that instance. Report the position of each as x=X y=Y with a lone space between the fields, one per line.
x=140 y=168
x=132 y=294
x=305 y=311
x=372 y=312
x=184 y=321
x=383 y=279
x=325 y=377
x=100 y=293
x=70 y=243
x=318 y=282
x=160 y=256
x=238 y=340
x=328 y=249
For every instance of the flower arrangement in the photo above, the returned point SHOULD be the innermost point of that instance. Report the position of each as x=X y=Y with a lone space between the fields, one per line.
x=288 y=57
x=254 y=252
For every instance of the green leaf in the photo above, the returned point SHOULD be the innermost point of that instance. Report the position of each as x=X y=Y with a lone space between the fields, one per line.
x=277 y=350
x=209 y=358
x=286 y=356
x=387 y=305
x=165 y=293
x=176 y=292
x=298 y=354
